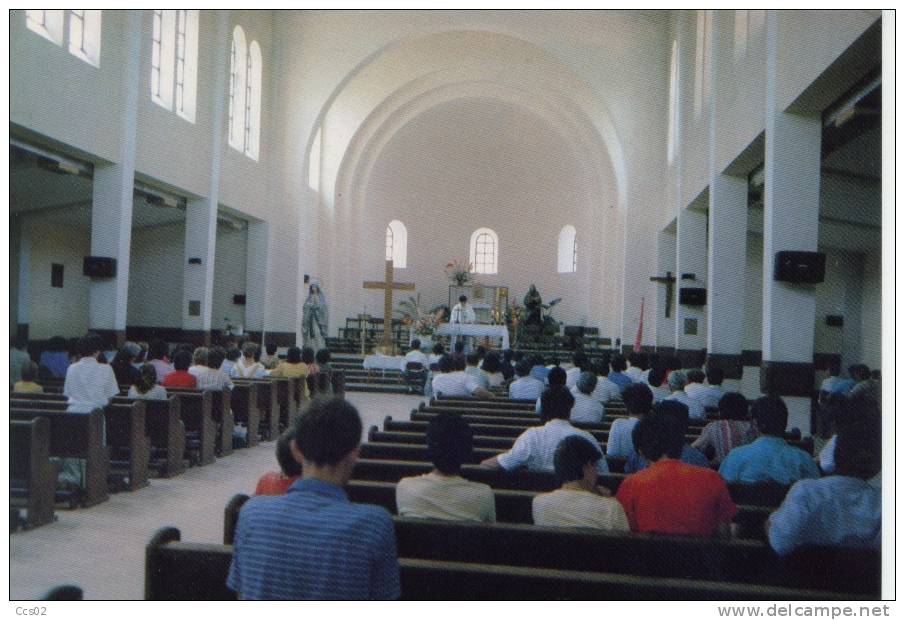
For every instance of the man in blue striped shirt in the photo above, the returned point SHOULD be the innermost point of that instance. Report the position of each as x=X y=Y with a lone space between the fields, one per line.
x=313 y=543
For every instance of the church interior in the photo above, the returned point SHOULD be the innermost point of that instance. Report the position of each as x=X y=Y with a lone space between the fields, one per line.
x=698 y=187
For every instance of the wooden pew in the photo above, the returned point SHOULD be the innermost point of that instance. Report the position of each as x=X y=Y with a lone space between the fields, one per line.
x=201 y=430
x=77 y=435
x=196 y=571
x=405 y=431
x=386 y=470
x=166 y=432
x=268 y=407
x=244 y=405
x=126 y=437
x=32 y=477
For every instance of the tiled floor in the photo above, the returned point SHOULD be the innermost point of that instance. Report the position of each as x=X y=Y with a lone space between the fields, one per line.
x=101 y=549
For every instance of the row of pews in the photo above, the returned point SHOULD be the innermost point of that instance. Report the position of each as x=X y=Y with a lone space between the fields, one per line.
x=514 y=559
x=131 y=440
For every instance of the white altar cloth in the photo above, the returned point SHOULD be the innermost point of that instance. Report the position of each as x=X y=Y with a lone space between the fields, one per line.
x=384 y=362
x=475 y=329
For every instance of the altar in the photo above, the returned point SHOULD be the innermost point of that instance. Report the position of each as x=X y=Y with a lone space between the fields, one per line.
x=475 y=329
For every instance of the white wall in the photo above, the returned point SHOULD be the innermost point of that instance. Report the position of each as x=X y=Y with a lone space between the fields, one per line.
x=229 y=276
x=155 y=276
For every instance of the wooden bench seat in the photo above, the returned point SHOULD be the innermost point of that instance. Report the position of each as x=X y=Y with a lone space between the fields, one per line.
x=32 y=477
x=244 y=405
x=166 y=432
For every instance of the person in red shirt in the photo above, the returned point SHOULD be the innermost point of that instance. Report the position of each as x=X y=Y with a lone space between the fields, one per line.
x=671 y=497
x=180 y=378
x=276 y=482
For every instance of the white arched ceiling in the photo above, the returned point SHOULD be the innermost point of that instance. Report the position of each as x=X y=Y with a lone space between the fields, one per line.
x=413 y=76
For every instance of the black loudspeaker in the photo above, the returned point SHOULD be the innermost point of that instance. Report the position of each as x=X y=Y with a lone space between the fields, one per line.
x=239 y=300
x=834 y=320
x=99 y=267
x=799 y=267
x=693 y=296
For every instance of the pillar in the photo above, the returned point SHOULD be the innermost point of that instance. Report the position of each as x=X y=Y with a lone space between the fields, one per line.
x=256 y=303
x=791 y=213
x=201 y=214
x=666 y=262
x=691 y=268
x=111 y=206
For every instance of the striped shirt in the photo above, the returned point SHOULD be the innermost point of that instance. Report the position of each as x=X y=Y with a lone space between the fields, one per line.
x=314 y=544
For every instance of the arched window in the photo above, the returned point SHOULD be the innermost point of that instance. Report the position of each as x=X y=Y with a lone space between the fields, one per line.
x=174 y=61
x=237 y=88
x=567 y=256
x=702 y=61
x=83 y=27
x=396 y=242
x=672 y=135
x=484 y=251
x=253 y=101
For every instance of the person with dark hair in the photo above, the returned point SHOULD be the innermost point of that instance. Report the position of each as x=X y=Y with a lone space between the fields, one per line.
x=158 y=350
x=28 y=375
x=415 y=355
x=246 y=367
x=270 y=359
x=478 y=376
x=865 y=386
x=436 y=353
x=294 y=366
x=732 y=430
x=669 y=496
x=211 y=377
x=458 y=355
x=842 y=510
x=232 y=356
x=525 y=387
x=492 y=369
x=539 y=369
x=312 y=542
x=278 y=482
x=639 y=367
x=580 y=363
x=535 y=447
x=556 y=378
x=617 y=374
x=579 y=501
x=690 y=456
x=708 y=395
x=180 y=377
x=322 y=359
x=606 y=390
x=655 y=379
x=769 y=457
x=506 y=366
x=638 y=401
x=18 y=357
x=146 y=388
x=199 y=360
x=453 y=382
x=56 y=357
x=443 y=493
x=123 y=370
x=586 y=409
x=677 y=381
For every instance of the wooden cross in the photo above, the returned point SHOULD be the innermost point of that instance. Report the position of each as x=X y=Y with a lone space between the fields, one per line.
x=388 y=286
x=669 y=280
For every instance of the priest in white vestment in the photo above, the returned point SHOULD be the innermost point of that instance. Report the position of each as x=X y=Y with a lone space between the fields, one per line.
x=463 y=313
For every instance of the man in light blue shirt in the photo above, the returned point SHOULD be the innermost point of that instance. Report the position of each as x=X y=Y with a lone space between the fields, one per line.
x=842 y=510
x=769 y=458
x=525 y=387
x=617 y=375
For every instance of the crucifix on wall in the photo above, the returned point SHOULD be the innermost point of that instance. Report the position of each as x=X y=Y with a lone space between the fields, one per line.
x=669 y=280
x=387 y=345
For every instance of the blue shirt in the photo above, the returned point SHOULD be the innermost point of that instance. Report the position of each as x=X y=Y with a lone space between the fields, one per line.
x=540 y=373
x=837 y=510
x=768 y=459
x=525 y=388
x=690 y=456
x=620 y=379
x=313 y=543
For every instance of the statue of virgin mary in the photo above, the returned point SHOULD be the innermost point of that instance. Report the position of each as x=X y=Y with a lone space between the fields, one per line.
x=315 y=319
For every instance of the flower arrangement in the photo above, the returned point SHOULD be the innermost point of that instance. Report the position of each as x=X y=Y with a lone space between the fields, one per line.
x=459 y=272
x=417 y=318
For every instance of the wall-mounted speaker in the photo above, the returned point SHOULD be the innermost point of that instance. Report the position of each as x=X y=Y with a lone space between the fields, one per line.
x=194 y=261
x=693 y=296
x=239 y=300
x=834 y=320
x=99 y=267
x=799 y=267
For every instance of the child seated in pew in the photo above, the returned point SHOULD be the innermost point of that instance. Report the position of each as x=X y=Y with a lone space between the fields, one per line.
x=443 y=493
x=578 y=502
x=841 y=510
x=146 y=388
x=534 y=449
x=638 y=401
x=669 y=496
x=27 y=384
x=180 y=377
x=276 y=482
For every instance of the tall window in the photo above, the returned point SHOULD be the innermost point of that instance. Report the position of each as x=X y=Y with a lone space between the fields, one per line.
x=82 y=27
x=174 y=61
x=245 y=95
x=702 y=61
x=484 y=251
x=396 y=244
x=567 y=256
x=748 y=23
x=671 y=140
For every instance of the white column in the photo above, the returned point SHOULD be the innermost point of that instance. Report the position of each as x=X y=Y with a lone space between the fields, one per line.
x=256 y=303
x=111 y=208
x=691 y=259
x=791 y=212
x=201 y=214
x=666 y=262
